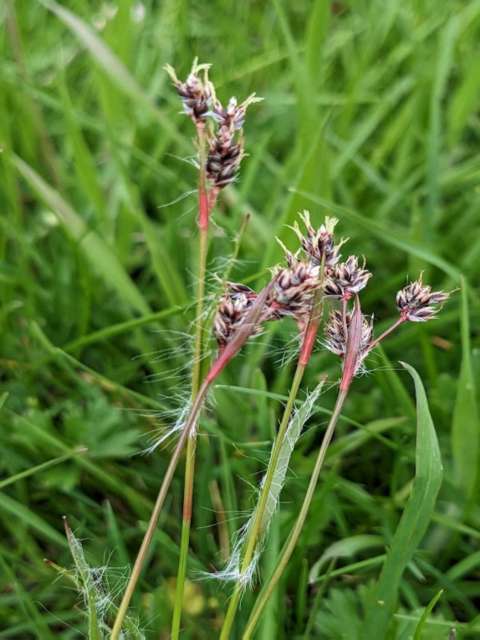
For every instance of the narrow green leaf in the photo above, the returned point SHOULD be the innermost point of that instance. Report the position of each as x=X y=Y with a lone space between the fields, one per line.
x=87 y=584
x=428 y=610
x=434 y=140
x=345 y=548
x=414 y=521
x=30 y=519
x=121 y=327
x=38 y=468
x=297 y=422
x=465 y=424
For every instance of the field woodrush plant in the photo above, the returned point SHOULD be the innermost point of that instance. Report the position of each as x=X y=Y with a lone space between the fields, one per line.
x=372 y=117
x=298 y=290
x=220 y=152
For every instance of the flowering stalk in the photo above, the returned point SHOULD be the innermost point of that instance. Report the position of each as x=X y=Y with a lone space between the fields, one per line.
x=203 y=219
x=349 y=336
x=294 y=284
x=243 y=331
x=297 y=529
x=219 y=158
x=351 y=363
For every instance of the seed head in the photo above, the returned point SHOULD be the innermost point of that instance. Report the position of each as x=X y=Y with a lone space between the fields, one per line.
x=418 y=303
x=336 y=333
x=294 y=288
x=346 y=279
x=196 y=92
x=232 y=117
x=231 y=312
x=226 y=145
x=224 y=158
x=319 y=244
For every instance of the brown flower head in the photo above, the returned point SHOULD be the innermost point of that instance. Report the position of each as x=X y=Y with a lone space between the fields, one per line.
x=294 y=288
x=346 y=279
x=231 y=312
x=232 y=117
x=196 y=92
x=418 y=303
x=224 y=159
x=319 y=244
x=226 y=145
x=336 y=333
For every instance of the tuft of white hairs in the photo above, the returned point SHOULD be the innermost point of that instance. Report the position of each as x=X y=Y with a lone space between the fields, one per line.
x=232 y=571
x=91 y=583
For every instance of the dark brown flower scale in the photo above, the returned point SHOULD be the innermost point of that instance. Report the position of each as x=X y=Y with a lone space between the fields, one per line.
x=231 y=312
x=418 y=303
x=346 y=279
x=196 y=92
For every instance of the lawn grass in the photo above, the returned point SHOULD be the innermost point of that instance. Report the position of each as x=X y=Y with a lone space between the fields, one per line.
x=370 y=114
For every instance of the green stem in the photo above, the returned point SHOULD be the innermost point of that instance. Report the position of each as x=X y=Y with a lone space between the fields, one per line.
x=196 y=371
x=152 y=525
x=185 y=536
x=297 y=528
x=254 y=531
x=255 y=528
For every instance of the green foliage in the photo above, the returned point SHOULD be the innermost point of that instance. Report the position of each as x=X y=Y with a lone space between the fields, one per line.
x=414 y=521
x=370 y=114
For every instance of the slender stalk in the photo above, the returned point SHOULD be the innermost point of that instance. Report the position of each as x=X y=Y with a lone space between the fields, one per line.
x=386 y=333
x=297 y=529
x=254 y=531
x=350 y=365
x=233 y=347
x=152 y=525
x=203 y=220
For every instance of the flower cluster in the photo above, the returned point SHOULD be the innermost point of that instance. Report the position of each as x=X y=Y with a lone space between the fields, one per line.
x=232 y=310
x=319 y=243
x=226 y=148
x=196 y=92
x=224 y=133
x=346 y=279
x=337 y=331
x=418 y=303
x=316 y=267
x=293 y=286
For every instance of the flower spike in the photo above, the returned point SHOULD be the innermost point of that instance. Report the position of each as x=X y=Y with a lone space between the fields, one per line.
x=418 y=303
x=196 y=92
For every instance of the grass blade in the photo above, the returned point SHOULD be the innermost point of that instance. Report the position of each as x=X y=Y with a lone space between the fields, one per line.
x=428 y=610
x=414 y=521
x=86 y=583
x=109 y=62
x=465 y=416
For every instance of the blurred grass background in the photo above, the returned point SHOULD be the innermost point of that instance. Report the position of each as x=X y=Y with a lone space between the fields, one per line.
x=370 y=113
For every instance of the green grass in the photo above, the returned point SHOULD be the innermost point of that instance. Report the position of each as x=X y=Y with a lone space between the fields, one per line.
x=370 y=114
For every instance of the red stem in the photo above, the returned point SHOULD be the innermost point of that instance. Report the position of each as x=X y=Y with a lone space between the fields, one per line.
x=308 y=343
